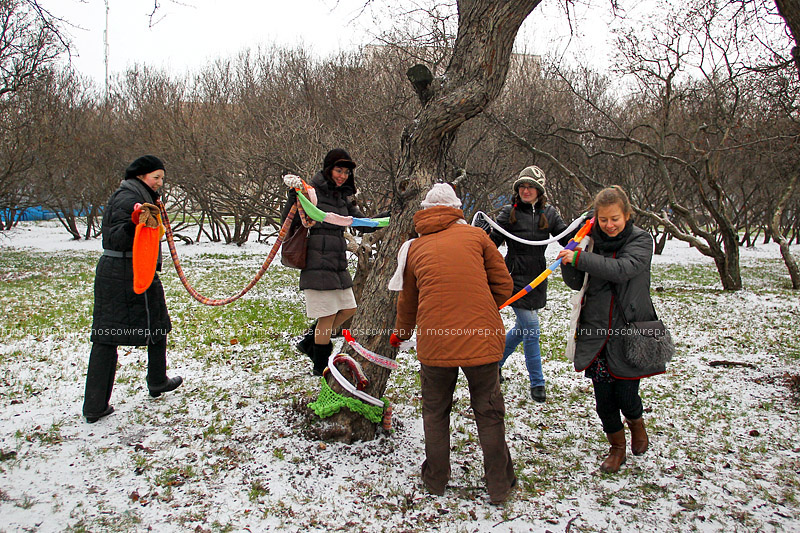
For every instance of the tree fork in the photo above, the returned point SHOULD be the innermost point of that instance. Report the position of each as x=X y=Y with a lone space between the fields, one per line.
x=474 y=78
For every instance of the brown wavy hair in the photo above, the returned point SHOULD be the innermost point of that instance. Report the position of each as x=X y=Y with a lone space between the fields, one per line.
x=611 y=196
x=538 y=207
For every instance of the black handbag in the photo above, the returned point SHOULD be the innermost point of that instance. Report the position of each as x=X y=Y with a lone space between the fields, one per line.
x=646 y=343
x=294 y=247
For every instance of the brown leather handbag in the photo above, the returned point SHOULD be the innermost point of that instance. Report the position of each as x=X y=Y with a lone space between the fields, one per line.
x=294 y=246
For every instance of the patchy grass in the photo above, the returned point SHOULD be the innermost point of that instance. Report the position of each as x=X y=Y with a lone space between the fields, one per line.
x=230 y=451
x=45 y=296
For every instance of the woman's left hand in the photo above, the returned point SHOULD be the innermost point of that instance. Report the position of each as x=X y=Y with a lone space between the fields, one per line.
x=394 y=340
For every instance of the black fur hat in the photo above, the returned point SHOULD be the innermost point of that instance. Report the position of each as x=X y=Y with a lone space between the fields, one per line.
x=338 y=157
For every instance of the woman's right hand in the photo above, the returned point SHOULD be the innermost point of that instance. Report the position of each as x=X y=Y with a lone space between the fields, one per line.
x=483 y=224
x=292 y=181
x=567 y=256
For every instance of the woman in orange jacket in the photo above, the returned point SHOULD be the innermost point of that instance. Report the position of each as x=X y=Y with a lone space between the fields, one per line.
x=453 y=280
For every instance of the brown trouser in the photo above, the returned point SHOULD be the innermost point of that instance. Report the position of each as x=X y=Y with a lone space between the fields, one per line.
x=486 y=399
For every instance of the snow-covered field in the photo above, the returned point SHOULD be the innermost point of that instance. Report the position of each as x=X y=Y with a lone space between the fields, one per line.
x=230 y=451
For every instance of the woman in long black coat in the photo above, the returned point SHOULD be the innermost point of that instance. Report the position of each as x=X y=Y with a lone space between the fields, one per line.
x=617 y=276
x=122 y=317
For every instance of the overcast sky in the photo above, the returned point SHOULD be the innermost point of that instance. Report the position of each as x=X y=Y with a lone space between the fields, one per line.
x=188 y=34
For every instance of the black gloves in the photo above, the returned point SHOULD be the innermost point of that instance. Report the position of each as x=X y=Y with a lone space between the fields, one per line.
x=483 y=224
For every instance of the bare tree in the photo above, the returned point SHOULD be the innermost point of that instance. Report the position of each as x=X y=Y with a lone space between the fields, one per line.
x=473 y=79
x=29 y=43
x=61 y=175
x=682 y=133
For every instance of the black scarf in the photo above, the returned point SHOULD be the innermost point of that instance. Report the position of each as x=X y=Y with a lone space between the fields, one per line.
x=604 y=243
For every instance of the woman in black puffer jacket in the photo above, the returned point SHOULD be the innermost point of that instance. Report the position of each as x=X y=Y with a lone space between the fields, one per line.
x=617 y=275
x=325 y=281
x=122 y=317
x=529 y=217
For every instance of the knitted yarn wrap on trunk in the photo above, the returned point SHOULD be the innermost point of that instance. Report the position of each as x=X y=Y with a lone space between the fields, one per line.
x=329 y=403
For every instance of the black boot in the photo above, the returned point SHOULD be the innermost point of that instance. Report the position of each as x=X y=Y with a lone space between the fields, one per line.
x=157 y=380
x=321 y=354
x=169 y=385
x=307 y=342
x=157 y=361
x=92 y=418
x=99 y=382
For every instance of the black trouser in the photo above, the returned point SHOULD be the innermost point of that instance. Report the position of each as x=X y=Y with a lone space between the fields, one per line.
x=157 y=362
x=611 y=398
x=103 y=368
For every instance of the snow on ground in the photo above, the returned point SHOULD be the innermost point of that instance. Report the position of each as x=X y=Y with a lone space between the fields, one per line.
x=49 y=236
x=228 y=451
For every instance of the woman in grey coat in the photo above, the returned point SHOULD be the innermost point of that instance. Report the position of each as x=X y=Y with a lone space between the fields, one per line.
x=617 y=275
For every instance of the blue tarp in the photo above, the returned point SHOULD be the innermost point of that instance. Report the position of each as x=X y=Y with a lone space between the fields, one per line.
x=31 y=213
x=34 y=213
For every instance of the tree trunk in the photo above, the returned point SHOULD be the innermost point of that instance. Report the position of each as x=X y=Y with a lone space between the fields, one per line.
x=790 y=11
x=712 y=197
x=729 y=274
x=661 y=242
x=68 y=221
x=474 y=78
x=783 y=242
x=728 y=264
x=791 y=264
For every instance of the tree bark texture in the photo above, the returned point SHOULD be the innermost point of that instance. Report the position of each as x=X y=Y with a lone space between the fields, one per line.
x=473 y=79
x=783 y=242
x=790 y=11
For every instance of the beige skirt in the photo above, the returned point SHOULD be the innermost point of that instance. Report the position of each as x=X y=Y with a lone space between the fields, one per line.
x=326 y=303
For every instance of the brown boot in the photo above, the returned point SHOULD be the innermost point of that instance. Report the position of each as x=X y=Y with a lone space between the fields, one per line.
x=639 y=440
x=616 y=454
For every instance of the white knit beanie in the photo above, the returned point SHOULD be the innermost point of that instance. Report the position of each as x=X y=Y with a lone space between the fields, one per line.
x=441 y=194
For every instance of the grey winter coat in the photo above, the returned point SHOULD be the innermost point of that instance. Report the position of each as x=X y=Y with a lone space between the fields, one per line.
x=326 y=257
x=628 y=271
x=122 y=317
x=525 y=262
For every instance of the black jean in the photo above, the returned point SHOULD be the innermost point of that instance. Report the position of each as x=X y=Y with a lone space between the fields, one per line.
x=103 y=368
x=615 y=397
